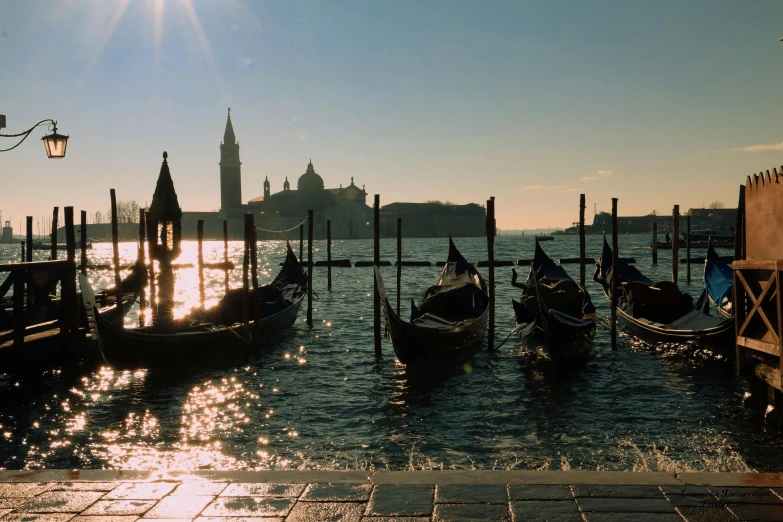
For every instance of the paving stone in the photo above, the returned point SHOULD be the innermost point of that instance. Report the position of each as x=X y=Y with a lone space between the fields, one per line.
x=539 y=492
x=626 y=505
x=473 y=512
x=761 y=512
x=263 y=490
x=617 y=491
x=471 y=494
x=38 y=517
x=539 y=510
x=120 y=507
x=61 y=501
x=22 y=489
x=141 y=491
x=396 y=519
x=326 y=512
x=235 y=519
x=106 y=518
x=179 y=507
x=4 y=512
x=175 y=519
x=686 y=490
x=401 y=500
x=706 y=514
x=84 y=486
x=248 y=507
x=697 y=499
x=12 y=503
x=632 y=517
x=336 y=493
x=746 y=495
x=199 y=488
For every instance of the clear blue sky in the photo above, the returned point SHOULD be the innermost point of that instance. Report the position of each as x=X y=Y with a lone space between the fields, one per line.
x=417 y=99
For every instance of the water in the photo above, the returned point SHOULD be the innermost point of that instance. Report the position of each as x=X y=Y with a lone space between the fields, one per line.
x=320 y=400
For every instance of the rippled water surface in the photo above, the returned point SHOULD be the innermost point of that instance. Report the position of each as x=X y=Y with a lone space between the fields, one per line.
x=320 y=399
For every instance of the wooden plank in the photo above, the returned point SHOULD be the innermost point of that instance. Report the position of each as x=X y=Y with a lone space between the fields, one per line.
x=9 y=267
x=756 y=264
x=32 y=338
x=760 y=346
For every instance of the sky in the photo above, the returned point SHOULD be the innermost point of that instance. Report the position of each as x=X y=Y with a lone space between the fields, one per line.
x=656 y=102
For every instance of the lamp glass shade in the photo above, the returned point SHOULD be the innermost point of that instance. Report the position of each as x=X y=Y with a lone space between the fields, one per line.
x=55 y=145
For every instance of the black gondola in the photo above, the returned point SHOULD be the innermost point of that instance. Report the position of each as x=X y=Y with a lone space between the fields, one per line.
x=556 y=313
x=450 y=319
x=659 y=311
x=719 y=282
x=212 y=334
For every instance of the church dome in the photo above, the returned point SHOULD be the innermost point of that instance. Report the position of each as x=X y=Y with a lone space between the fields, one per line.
x=310 y=181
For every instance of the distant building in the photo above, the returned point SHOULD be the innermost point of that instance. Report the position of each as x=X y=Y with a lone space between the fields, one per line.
x=433 y=219
x=7 y=235
x=701 y=218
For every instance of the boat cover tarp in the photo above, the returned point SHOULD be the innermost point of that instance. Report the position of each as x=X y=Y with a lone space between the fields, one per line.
x=718 y=277
x=626 y=271
x=661 y=302
x=460 y=292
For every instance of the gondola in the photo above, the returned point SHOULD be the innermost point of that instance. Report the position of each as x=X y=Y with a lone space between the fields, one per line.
x=556 y=313
x=448 y=322
x=719 y=282
x=659 y=311
x=545 y=238
x=211 y=334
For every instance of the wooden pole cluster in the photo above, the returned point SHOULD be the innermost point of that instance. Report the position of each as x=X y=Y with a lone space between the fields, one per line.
x=54 y=232
x=675 y=242
x=376 y=259
x=688 y=249
x=582 y=239
x=140 y=259
x=83 y=241
x=200 y=236
x=399 y=261
x=225 y=252
x=328 y=254
x=115 y=238
x=29 y=255
x=655 y=243
x=614 y=273
x=310 y=225
x=491 y=256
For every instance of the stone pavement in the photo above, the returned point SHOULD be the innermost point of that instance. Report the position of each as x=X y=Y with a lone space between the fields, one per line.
x=266 y=496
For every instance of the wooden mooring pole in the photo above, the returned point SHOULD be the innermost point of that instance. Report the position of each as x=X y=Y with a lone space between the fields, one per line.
x=399 y=261
x=200 y=236
x=140 y=259
x=22 y=257
x=225 y=252
x=151 y=238
x=739 y=228
x=245 y=270
x=83 y=241
x=654 y=243
x=69 y=279
x=29 y=255
x=310 y=226
x=491 y=256
x=115 y=238
x=328 y=254
x=301 y=243
x=253 y=253
x=613 y=281
x=675 y=242
x=54 y=233
x=376 y=260
x=688 y=249
x=582 y=239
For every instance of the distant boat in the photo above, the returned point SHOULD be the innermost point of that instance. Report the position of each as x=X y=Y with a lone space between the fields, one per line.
x=707 y=234
x=545 y=238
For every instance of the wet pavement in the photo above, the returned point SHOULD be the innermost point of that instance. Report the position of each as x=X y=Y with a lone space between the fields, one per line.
x=127 y=496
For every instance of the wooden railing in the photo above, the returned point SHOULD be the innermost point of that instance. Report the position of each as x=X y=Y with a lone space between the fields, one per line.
x=757 y=306
x=34 y=284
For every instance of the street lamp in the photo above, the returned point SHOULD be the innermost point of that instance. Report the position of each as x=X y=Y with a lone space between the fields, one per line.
x=55 y=143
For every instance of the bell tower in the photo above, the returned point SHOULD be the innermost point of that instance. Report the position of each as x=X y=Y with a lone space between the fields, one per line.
x=266 y=188
x=230 y=169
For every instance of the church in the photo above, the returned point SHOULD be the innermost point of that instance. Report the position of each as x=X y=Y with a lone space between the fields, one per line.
x=345 y=207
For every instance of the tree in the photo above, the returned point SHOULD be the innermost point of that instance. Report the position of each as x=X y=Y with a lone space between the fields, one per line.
x=98 y=219
x=654 y=213
x=127 y=211
x=716 y=205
